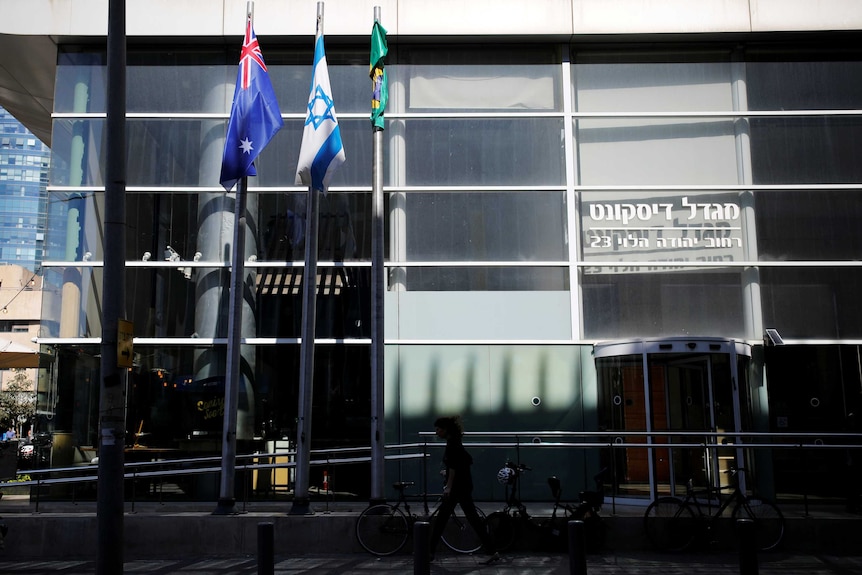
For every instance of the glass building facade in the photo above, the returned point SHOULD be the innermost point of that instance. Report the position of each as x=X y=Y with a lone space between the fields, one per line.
x=540 y=199
x=24 y=163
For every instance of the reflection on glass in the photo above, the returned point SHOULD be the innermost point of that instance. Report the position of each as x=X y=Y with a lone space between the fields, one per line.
x=639 y=302
x=511 y=226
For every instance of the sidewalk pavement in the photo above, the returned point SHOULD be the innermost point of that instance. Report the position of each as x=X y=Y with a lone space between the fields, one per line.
x=623 y=563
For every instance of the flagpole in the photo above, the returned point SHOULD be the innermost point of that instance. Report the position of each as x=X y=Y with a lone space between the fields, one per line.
x=112 y=394
x=378 y=289
x=227 y=492
x=301 y=502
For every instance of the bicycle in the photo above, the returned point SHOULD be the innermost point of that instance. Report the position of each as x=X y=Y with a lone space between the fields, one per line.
x=506 y=524
x=587 y=510
x=383 y=529
x=672 y=524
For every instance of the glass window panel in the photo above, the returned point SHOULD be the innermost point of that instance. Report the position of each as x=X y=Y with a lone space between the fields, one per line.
x=75 y=221
x=654 y=226
x=493 y=315
x=477 y=87
x=181 y=152
x=80 y=83
x=176 y=399
x=158 y=220
x=812 y=302
x=179 y=81
x=656 y=151
x=653 y=87
x=77 y=154
x=482 y=278
x=276 y=165
x=202 y=80
x=484 y=152
x=71 y=302
x=520 y=226
x=661 y=303
x=809 y=225
x=344 y=226
x=806 y=150
x=168 y=302
x=804 y=85
x=343 y=302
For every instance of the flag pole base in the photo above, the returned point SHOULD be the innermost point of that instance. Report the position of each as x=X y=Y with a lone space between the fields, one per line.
x=301 y=507
x=226 y=506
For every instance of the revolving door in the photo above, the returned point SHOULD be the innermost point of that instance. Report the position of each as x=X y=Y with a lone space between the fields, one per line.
x=671 y=408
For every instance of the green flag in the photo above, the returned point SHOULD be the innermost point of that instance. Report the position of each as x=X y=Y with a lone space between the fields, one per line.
x=379 y=91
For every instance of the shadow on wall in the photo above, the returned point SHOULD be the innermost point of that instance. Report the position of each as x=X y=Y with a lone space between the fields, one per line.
x=498 y=389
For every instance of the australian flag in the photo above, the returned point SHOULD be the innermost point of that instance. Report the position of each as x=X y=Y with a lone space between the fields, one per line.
x=254 y=115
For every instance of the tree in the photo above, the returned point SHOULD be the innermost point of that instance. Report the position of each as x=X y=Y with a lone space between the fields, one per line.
x=18 y=400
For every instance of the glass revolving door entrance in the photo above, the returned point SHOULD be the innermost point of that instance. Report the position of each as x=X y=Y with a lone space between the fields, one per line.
x=666 y=405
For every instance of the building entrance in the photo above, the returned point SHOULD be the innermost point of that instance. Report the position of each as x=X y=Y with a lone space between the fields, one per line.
x=671 y=407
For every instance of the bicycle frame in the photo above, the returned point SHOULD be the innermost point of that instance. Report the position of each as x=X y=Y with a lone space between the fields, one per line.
x=735 y=496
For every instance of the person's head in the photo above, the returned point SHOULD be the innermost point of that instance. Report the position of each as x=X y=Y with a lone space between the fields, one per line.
x=449 y=427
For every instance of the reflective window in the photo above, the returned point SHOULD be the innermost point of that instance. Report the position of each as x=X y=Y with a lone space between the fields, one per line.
x=503 y=226
x=807 y=150
x=658 y=227
x=186 y=226
x=803 y=85
x=481 y=278
x=189 y=302
x=809 y=225
x=812 y=303
x=616 y=86
x=620 y=302
x=488 y=152
x=188 y=152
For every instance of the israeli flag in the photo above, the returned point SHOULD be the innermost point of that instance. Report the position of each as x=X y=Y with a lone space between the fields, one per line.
x=322 y=151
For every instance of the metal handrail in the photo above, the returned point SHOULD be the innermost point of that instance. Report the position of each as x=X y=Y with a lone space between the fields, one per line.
x=253 y=461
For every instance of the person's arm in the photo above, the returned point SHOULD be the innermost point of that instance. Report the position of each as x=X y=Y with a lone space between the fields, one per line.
x=450 y=481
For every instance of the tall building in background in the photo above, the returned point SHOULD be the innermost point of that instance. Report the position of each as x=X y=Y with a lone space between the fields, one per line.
x=24 y=162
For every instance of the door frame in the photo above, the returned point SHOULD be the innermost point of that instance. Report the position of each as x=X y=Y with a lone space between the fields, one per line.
x=693 y=346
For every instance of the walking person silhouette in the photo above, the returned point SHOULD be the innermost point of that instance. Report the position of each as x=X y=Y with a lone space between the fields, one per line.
x=458 y=489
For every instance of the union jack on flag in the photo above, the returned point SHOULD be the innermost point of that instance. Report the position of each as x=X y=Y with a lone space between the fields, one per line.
x=250 y=55
x=254 y=116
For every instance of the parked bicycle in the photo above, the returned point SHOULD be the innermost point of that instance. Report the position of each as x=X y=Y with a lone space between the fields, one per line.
x=672 y=524
x=505 y=525
x=383 y=529
x=586 y=510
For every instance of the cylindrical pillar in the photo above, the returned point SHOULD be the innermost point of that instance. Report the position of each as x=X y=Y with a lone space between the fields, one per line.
x=577 y=548
x=747 y=547
x=421 y=563
x=265 y=549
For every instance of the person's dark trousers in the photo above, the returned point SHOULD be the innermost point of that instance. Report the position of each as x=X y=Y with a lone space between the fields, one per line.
x=469 y=509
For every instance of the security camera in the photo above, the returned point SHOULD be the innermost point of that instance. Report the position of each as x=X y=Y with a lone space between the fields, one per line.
x=772 y=337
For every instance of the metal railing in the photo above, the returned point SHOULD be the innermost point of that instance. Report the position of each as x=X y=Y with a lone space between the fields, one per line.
x=158 y=471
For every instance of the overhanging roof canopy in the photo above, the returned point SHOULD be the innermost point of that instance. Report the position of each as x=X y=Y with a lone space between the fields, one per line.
x=16 y=356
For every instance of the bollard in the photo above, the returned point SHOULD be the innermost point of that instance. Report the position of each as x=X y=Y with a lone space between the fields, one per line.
x=265 y=549
x=577 y=548
x=745 y=529
x=421 y=565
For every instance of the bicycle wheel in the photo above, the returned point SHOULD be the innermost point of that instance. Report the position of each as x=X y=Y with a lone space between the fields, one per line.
x=768 y=521
x=669 y=524
x=501 y=527
x=382 y=529
x=459 y=536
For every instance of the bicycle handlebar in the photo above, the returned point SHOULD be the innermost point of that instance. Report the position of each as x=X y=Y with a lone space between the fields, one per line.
x=518 y=467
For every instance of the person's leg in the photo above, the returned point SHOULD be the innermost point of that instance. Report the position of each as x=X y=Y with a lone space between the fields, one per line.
x=440 y=520
x=472 y=516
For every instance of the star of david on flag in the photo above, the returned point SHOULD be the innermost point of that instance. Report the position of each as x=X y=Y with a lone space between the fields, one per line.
x=322 y=151
x=254 y=115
